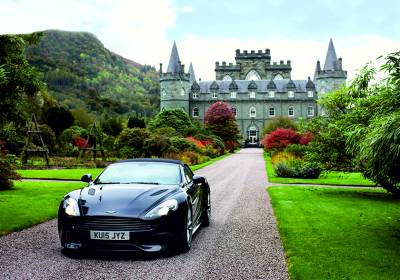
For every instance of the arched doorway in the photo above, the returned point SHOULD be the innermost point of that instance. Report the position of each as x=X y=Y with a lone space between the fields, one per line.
x=252 y=135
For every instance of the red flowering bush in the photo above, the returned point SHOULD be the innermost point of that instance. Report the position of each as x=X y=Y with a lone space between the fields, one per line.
x=80 y=142
x=218 y=112
x=282 y=137
x=199 y=143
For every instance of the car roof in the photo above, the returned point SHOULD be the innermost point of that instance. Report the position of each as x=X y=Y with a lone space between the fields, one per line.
x=152 y=160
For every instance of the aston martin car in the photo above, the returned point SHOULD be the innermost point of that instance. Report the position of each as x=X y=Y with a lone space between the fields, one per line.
x=145 y=205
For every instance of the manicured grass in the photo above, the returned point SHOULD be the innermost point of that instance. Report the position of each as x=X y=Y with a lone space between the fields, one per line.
x=30 y=203
x=326 y=178
x=67 y=174
x=76 y=174
x=338 y=233
x=201 y=165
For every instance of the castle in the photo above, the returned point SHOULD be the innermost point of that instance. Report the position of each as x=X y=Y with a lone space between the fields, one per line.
x=256 y=88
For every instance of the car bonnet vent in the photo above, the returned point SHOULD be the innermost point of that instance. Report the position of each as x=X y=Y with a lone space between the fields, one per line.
x=158 y=192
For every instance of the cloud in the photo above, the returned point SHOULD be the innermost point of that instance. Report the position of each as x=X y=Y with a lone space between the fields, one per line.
x=187 y=9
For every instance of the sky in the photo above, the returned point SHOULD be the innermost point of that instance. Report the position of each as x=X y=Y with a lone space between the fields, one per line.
x=210 y=31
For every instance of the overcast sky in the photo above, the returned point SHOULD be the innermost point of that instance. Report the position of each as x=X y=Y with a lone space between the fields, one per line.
x=209 y=31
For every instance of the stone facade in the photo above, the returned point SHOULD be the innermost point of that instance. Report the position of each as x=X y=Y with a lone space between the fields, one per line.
x=257 y=89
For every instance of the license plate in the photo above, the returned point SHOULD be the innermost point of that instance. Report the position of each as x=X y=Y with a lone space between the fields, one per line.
x=109 y=235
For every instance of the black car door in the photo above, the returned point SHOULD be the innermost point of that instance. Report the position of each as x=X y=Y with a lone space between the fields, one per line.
x=194 y=191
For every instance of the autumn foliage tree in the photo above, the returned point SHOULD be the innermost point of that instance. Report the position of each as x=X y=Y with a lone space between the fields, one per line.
x=280 y=138
x=220 y=120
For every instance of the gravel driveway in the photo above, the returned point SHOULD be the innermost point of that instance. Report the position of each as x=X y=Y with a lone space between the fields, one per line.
x=242 y=241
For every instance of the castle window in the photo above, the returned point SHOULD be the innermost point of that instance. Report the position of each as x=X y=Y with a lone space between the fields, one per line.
x=195 y=95
x=234 y=112
x=195 y=112
x=291 y=111
x=214 y=94
x=252 y=94
x=278 y=77
x=253 y=75
x=310 y=111
x=182 y=91
x=290 y=93
x=310 y=93
x=233 y=94
x=163 y=92
x=252 y=112
x=271 y=111
x=227 y=78
x=271 y=94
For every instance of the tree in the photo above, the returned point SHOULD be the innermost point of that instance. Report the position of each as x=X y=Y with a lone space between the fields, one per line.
x=279 y=122
x=220 y=120
x=18 y=80
x=59 y=119
x=136 y=122
x=175 y=118
x=369 y=120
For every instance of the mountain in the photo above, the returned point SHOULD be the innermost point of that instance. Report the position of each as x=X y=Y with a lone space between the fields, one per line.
x=80 y=72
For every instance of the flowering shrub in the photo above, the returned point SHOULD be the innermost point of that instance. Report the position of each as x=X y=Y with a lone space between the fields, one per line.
x=199 y=143
x=280 y=138
x=80 y=142
x=217 y=112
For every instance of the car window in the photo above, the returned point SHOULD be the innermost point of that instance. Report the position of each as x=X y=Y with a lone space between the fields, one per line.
x=188 y=174
x=141 y=172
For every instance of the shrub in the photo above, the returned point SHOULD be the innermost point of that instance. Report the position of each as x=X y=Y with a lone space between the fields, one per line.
x=190 y=158
x=279 y=122
x=136 y=122
x=280 y=138
x=175 y=118
x=132 y=141
x=296 y=168
x=156 y=145
x=7 y=173
x=59 y=119
x=180 y=144
x=112 y=126
x=282 y=156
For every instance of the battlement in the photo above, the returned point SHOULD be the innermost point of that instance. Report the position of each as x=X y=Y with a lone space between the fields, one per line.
x=225 y=66
x=281 y=65
x=253 y=54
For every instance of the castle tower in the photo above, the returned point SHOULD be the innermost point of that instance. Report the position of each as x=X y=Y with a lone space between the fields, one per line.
x=174 y=84
x=332 y=77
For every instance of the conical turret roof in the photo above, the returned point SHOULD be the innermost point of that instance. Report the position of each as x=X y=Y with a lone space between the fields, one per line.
x=174 y=65
x=192 y=76
x=331 y=61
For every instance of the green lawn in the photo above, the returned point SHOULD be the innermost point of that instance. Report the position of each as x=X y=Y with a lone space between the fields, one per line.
x=336 y=233
x=76 y=174
x=67 y=174
x=30 y=203
x=326 y=178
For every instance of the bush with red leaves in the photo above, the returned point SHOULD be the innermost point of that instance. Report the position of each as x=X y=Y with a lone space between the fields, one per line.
x=306 y=138
x=280 y=138
x=80 y=142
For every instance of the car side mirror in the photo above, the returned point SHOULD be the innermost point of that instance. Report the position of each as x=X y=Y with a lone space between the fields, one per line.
x=197 y=179
x=87 y=178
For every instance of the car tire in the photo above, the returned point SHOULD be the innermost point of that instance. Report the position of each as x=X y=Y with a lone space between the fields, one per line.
x=185 y=239
x=206 y=216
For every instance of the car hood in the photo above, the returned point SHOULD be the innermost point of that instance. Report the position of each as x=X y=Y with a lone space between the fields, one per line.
x=126 y=200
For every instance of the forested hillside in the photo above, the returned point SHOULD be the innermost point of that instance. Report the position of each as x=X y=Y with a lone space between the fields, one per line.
x=80 y=72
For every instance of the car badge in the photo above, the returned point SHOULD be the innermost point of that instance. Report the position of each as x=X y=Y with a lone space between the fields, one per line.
x=111 y=212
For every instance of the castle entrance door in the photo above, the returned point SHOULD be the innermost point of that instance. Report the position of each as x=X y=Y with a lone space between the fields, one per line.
x=253 y=135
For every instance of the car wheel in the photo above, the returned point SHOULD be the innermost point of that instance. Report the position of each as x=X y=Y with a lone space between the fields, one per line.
x=185 y=240
x=206 y=216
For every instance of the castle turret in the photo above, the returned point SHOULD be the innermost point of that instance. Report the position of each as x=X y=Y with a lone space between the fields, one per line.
x=332 y=77
x=175 y=84
x=192 y=76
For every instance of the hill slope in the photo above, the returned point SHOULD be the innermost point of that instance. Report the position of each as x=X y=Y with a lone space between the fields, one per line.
x=80 y=72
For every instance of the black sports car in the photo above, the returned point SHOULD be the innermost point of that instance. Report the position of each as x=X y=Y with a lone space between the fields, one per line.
x=136 y=205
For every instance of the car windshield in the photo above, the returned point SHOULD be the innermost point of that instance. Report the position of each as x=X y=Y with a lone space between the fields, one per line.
x=158 y=173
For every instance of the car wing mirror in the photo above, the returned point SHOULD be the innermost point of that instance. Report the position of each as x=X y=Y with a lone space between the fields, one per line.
x=87 y=178
x=197 y=179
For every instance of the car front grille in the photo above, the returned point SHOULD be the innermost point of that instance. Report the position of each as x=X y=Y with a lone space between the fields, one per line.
x=113 y=224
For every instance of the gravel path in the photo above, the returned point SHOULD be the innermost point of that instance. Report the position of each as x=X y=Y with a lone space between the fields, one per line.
x=242 y=241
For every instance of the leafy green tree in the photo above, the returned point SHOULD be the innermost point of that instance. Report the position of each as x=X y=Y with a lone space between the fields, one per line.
x=136 y=122
x=130 y=143
x=112 y=126
x=279 y=122
x=19 y=81
x=59 y=119
x=368 y=115
x=175 y=118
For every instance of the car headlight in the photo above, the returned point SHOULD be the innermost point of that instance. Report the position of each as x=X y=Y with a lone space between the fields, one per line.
x=162 y=209
x=71 y=207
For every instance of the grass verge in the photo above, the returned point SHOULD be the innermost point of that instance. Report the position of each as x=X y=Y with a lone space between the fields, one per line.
x=326 y=178
x=337 y=233
x=76 y=174
x=30 y=203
